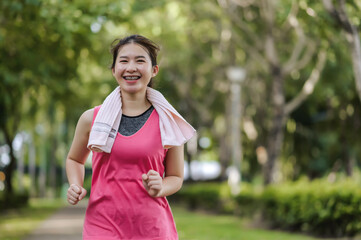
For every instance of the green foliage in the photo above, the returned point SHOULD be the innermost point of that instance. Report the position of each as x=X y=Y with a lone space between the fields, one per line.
x=14 y=200
x=55 y=67
x=319 y=206
x=207 y=196
x=247 y=202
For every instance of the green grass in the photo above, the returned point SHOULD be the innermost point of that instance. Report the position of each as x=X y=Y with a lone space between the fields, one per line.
x=202 y=226
x=17 y=223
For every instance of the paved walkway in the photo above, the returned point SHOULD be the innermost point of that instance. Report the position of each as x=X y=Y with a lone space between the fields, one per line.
x=66 y=224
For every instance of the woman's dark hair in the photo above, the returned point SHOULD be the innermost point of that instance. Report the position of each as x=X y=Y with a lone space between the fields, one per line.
x=151 y=47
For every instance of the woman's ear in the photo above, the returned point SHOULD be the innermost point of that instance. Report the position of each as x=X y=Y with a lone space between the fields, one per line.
x=113 y=72
x=155 y=70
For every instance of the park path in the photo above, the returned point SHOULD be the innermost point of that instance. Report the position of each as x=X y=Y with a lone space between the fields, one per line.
x=65 y=224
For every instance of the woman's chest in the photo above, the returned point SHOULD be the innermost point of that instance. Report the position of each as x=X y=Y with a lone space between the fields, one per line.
x=142 y=148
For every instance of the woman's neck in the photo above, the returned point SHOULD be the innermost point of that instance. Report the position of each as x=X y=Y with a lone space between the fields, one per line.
x=134 y=104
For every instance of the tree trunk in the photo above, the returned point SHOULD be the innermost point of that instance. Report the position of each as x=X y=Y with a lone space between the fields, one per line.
x=345 y=150
x=356 y=60
x=32 y=168
x=42 y=171
x=9 y=169
x=349 y=164
x=188 y=158
x=223 y=137
x=224 y=156
x=53 y=165
x=20 y=168
x=9 y=126
x=52 y=149
x=275 y=138
x=352 y=37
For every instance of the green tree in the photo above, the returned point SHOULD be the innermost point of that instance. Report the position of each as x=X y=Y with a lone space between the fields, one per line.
x=37 y=45
x=273 y=33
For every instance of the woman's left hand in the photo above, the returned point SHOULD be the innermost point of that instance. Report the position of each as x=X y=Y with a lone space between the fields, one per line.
x=153 y=183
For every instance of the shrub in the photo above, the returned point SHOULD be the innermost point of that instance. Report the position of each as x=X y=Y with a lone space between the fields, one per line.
x=248 y=201
x=317 y=207
x=207 y=196
x=14 y=200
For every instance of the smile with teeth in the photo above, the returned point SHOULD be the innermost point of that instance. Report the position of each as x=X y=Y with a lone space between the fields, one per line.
x=131 y=77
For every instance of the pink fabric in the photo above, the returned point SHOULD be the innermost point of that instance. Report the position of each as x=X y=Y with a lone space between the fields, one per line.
x=174 y=129
x=119 y=206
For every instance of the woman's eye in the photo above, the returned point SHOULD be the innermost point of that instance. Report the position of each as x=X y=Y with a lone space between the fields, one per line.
x=122 y=61
x=140 y=61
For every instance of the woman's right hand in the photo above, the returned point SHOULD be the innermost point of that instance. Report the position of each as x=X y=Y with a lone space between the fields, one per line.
x=75 y=194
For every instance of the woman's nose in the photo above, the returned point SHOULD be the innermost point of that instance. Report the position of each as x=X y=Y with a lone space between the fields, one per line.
x=131 y=67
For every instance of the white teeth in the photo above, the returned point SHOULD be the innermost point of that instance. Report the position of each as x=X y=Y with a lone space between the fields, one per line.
x=131 y=78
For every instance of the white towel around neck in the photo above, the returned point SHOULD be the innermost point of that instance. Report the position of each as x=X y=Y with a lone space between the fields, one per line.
x=174 y=129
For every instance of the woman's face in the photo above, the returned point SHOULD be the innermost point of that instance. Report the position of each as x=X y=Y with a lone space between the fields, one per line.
x=133 y=68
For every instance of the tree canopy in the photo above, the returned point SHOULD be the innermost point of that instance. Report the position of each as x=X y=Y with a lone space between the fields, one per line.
x=300 y=103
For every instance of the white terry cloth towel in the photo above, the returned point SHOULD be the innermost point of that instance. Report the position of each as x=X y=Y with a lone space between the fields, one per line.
x=174 y=129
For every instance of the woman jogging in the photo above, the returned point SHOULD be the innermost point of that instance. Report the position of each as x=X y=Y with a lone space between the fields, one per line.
x=137 y=141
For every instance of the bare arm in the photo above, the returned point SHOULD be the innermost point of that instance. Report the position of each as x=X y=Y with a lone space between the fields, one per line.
x=174 y=171
x=77 y=156
x=173 y=180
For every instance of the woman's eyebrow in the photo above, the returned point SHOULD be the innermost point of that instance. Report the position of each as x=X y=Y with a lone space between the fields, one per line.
x=135 y=57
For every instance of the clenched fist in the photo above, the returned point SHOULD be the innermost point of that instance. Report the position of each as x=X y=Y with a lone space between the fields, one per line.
x=75 y=194
x=152 y=182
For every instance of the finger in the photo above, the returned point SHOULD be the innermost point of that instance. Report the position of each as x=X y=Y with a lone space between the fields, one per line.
x=144 y=177
x=76 y=188
x=152 y=172
x=154 y=177
x=72 y=193
x=153 y=193
x=154 y=182
x=83 y=194
x=156 y=187
x=72 y=198
x=72 y=202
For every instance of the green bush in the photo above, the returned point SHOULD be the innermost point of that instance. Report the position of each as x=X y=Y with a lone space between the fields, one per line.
x=14 y=200
x=318 y=207
x=248 y=201
x=207 y=196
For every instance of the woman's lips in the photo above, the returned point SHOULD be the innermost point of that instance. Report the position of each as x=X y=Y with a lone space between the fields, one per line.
x=131 y=78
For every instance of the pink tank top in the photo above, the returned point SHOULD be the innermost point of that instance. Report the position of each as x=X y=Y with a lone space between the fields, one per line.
x=119 y=207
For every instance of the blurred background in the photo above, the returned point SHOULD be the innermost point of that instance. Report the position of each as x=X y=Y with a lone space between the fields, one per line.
x=273 y=88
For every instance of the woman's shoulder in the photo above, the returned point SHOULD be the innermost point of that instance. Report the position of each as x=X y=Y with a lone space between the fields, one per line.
x=86 y=119
x=88 y=114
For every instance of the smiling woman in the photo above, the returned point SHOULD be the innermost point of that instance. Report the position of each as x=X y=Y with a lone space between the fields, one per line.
x=133 y=68
x=137 y=141
x=148 y=46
